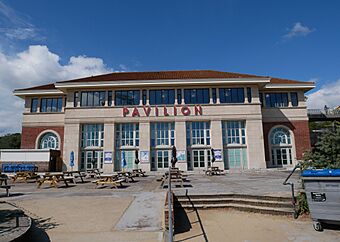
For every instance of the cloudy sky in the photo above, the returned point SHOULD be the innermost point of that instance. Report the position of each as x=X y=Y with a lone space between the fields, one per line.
x=46 y=41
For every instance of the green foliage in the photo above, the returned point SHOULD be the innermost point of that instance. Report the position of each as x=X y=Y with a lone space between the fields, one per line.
x=10 y=141
x=326 y=153
x=302 y=204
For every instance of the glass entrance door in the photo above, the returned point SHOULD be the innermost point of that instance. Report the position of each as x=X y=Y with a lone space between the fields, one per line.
x=127 y=160
x=94 y=159
x=163 y=159
x=282 y=156
x=201 y=159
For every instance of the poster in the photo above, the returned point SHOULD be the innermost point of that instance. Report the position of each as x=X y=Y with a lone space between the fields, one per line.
x=107 y=157
x=218 y=155
x=144 y=156
x=181 y=156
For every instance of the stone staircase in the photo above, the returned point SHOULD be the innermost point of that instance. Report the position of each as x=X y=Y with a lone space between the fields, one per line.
x=249 y=203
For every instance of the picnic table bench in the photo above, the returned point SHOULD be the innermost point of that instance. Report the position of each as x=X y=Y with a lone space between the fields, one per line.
x=74 y=175
x=176 y=176
x=93 y=172
x=25 y=176
x=126 y=175
x=3 y=183
x=53 y=179
x=214 y=170
x=138 y=172
x=109 y=179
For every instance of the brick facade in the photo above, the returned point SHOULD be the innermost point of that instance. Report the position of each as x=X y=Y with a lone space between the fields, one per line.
x=301 y=136
x=29 y=136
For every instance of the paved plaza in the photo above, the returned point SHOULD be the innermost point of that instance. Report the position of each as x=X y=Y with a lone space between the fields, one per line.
x=135 y=212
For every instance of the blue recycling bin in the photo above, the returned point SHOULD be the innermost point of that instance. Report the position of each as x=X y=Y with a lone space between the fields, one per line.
x=322 y=189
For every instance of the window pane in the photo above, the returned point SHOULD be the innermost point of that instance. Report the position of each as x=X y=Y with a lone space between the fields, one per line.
x=75 y=99
x=214 y=96
x=196 y=96
x=294 y=99
x=34 y=105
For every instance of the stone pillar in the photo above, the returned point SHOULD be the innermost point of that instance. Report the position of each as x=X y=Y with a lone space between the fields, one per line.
x=109 y=130
x=144 y=145
x=71 y=143
x=255 y=144
x=180 y=143
x=216 y=140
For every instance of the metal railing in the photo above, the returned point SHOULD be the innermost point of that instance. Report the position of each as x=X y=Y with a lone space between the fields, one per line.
x=292 y=189
x=170 y=221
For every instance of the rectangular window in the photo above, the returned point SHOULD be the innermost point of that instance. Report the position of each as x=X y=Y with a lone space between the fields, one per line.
x=231 y=95
x=123 y=98
x=127 y=134
x=48 y=105
x=214 y=96
x=276 y=100
x=163 y=96
x=162 y=134
x=92 y=98
x=109 y=98
x=261 y=99
x=34 y=105
x=179 y=96
x=236 y=158
x=75 y=99
x=198 y=133
x=294 y=99
x=92 y=135
x=234 y=132
x=196 y=96
x=144 y=97
x=249 y=94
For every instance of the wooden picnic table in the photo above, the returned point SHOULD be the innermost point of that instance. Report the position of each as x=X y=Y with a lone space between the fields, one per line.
x=176 y=176
x=53 y=179
x=24 y=176
x=75 y=174
x=126 y=175
x=109 y=179
x=214 y=170
x=138 y=172
x=93 y=172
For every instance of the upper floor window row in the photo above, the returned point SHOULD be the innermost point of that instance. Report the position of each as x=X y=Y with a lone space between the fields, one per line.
x=196 y=96
x=280 y=99
x=128 y=97
x=232 y=95
x=92 y=98
x=47 y=105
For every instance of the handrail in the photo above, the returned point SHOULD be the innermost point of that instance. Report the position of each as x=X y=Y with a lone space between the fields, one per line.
x=292 y=188
x=170 y=207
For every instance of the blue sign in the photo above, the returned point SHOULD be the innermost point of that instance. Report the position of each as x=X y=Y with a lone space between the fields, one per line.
x=72 y=159
x=218 y=155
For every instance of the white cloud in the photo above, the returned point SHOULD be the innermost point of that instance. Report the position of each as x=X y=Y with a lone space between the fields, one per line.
x=328 y=94
x=35 y=66
x=16 y=26
x=298 y=30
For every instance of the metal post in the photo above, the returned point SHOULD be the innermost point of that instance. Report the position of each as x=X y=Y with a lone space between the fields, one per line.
x=170 y=207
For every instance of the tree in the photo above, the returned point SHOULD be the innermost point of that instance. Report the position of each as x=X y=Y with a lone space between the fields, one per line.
x=326 y=153
x=10 y=141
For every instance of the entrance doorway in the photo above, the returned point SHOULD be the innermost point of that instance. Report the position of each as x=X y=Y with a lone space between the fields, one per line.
x=94 y=159
x=201 y=159
x=129 y=157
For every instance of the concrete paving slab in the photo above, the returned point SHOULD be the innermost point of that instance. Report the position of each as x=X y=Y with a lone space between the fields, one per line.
x=145 y=213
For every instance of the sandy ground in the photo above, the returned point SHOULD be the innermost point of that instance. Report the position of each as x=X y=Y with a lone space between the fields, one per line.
x=234 y=226
x=80 y=219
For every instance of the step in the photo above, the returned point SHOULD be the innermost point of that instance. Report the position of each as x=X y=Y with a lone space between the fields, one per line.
x=255 y=202
x=245 y=196
x=246 y=208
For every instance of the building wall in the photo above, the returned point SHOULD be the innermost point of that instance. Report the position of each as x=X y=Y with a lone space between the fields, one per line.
x=301 y=136
x=29 y=135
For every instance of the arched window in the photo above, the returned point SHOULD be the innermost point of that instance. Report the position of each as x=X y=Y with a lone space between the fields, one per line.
x=280 y=136
x=49 y=141
x=281 y=147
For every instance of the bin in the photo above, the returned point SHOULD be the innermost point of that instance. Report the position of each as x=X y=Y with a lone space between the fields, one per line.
x=322 y=188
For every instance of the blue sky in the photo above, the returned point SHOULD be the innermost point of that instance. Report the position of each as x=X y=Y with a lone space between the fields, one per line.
x=290 y=39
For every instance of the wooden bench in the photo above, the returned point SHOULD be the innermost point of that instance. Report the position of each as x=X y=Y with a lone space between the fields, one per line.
x=3 y=183
x=25 y=176
x=54 y=179
x=213 y=171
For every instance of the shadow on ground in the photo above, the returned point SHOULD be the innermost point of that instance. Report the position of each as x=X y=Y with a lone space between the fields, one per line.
x=37 y=232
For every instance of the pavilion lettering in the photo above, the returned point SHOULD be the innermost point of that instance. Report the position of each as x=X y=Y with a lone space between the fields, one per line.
x=147 y=111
